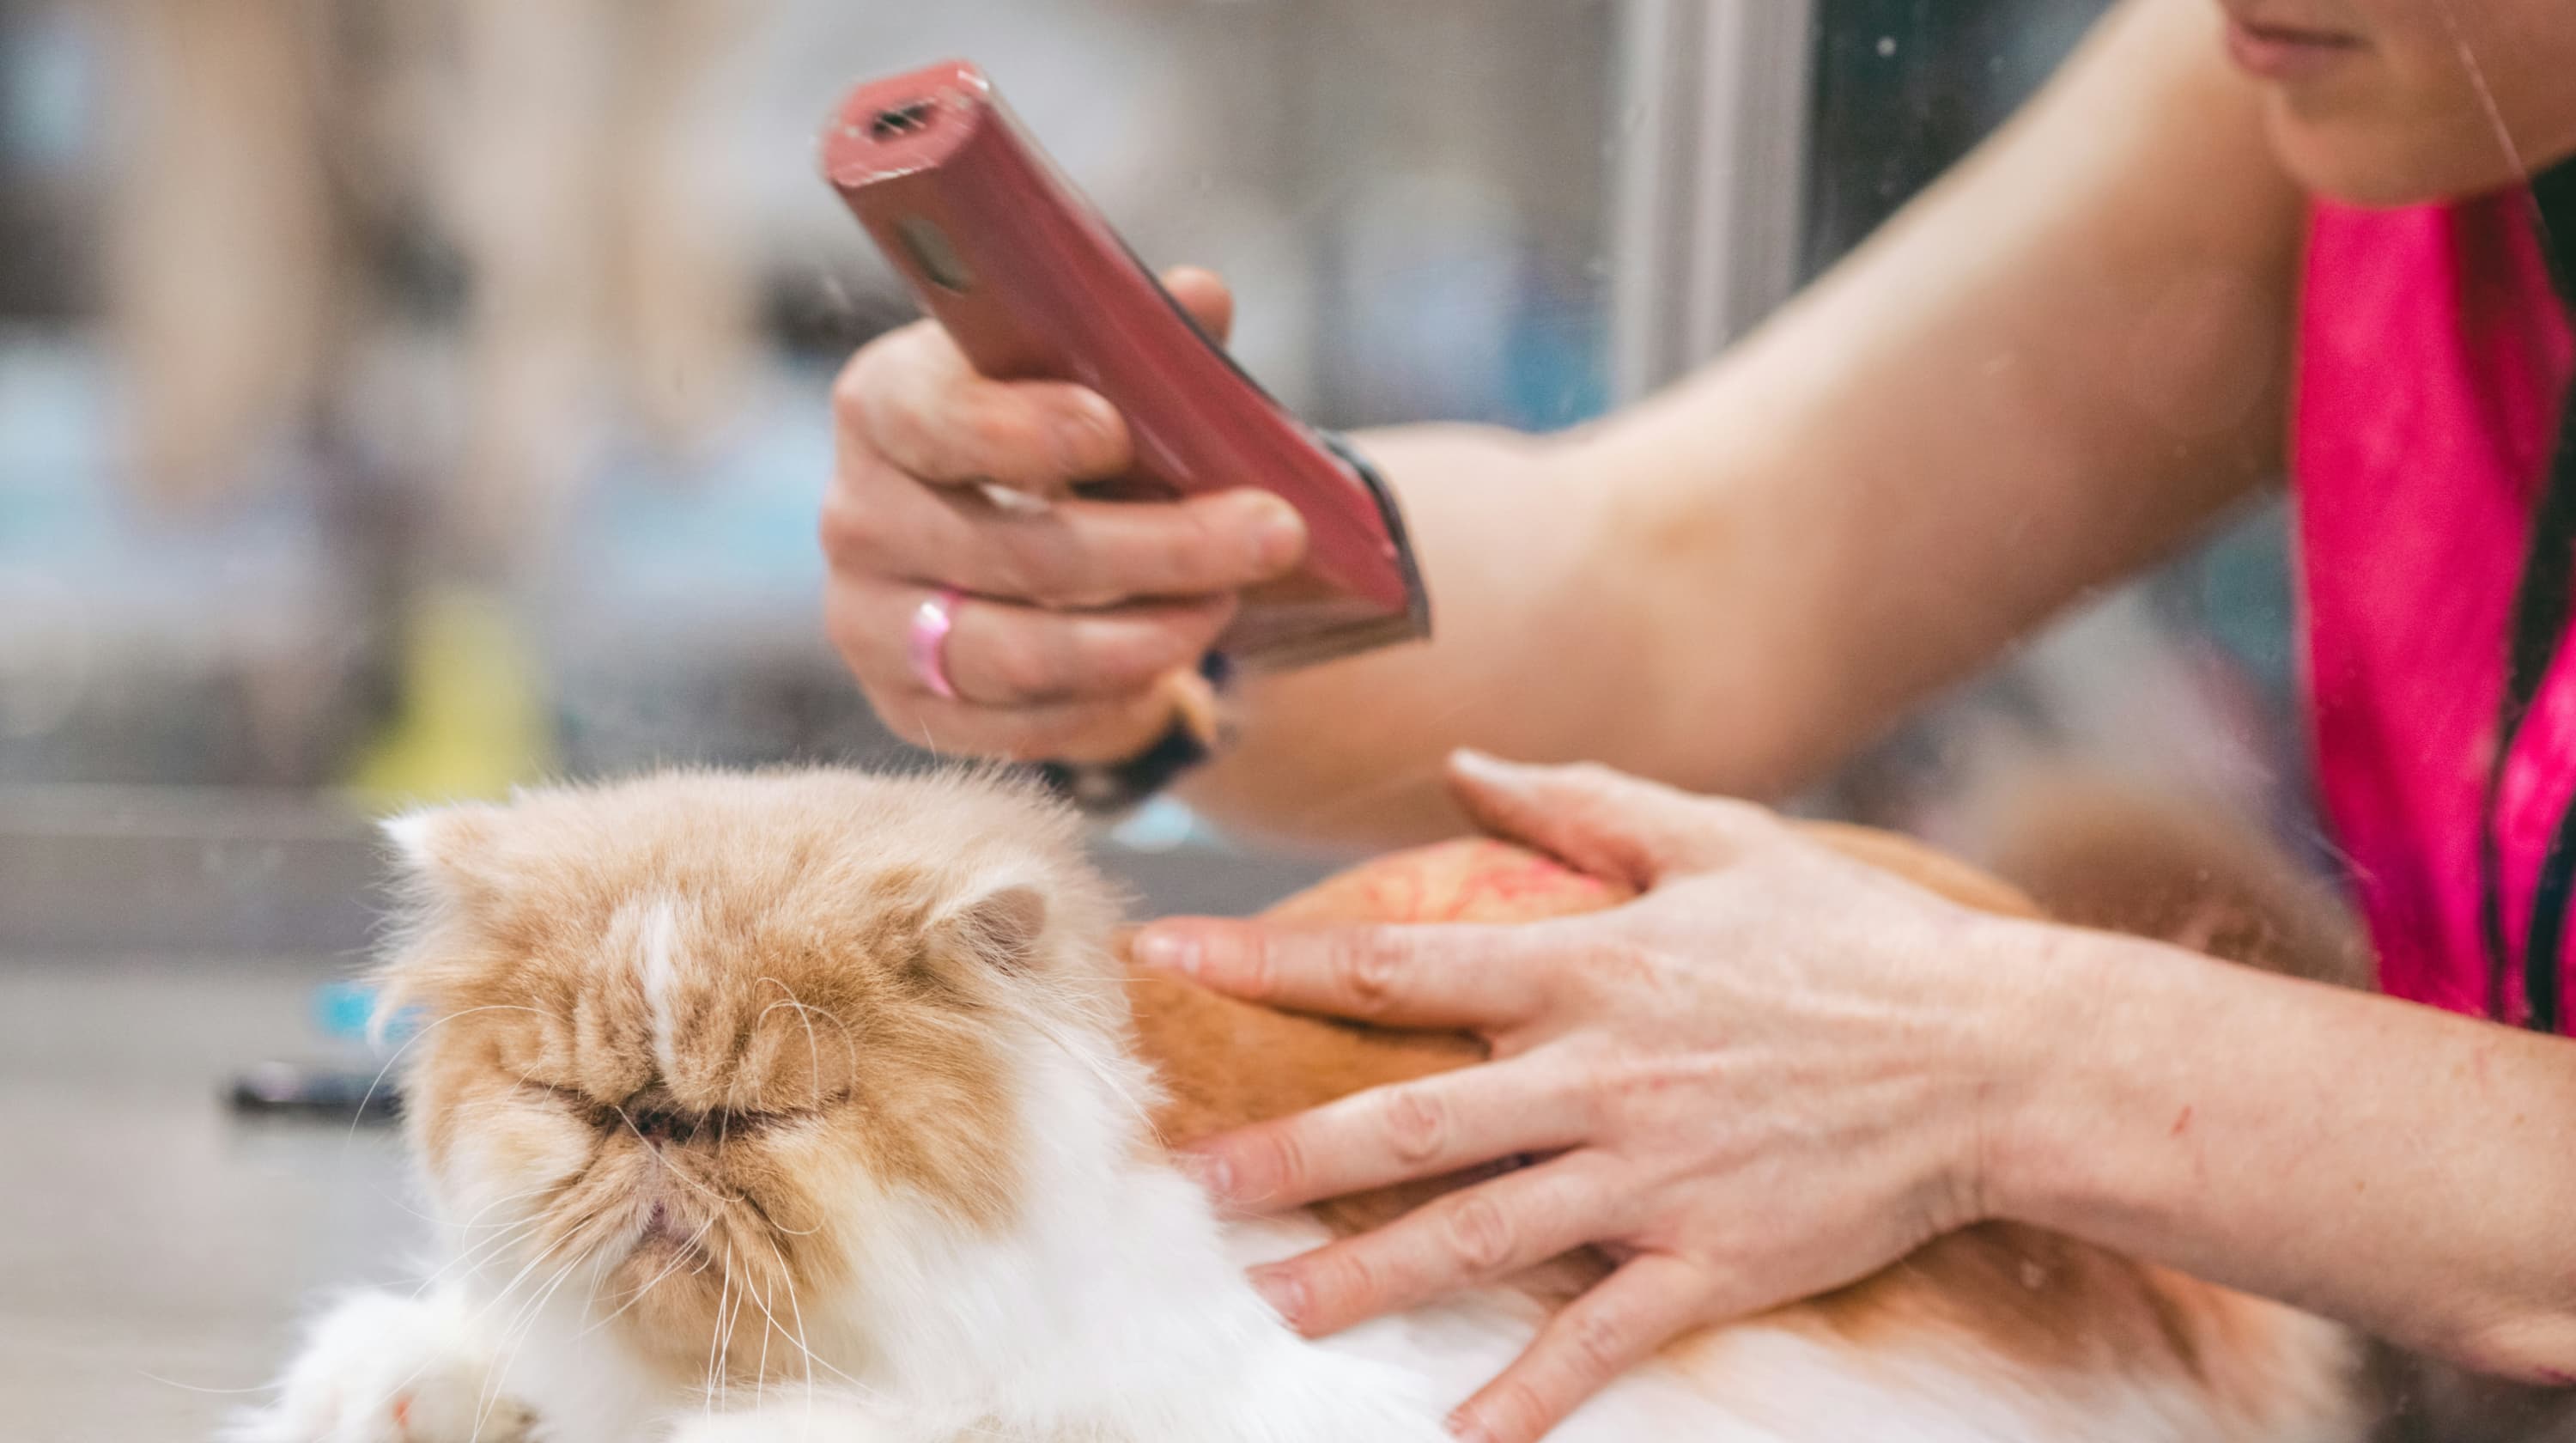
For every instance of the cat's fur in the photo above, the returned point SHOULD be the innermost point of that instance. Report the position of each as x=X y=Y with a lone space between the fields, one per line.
x=819 y=1106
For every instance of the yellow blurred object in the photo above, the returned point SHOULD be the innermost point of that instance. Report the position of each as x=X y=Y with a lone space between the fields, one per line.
x=471 y=721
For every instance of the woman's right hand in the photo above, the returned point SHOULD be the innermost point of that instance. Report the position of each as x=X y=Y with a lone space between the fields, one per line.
x=1074 y=611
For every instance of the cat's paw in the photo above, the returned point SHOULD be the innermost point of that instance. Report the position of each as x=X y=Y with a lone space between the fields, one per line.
x=384 y=1369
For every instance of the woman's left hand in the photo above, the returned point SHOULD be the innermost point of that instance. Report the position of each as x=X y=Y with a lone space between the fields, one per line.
x=1768 y=1076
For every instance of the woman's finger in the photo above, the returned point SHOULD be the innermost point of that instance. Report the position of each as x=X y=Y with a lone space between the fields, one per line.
x=911 y=398
x=1601 y=821
x=1072 y=553
x=1432 y=1127
x=1204 y=295
x=1449 y=975
x=1001 y=654
x=1478 y=1235
x=1648 y=1302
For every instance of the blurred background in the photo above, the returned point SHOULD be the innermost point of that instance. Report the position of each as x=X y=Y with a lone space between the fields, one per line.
x=399 y=398
x=409 y=397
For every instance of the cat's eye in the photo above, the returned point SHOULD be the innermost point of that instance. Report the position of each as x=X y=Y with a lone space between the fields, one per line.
x=653 y=1117
x=662 y=1124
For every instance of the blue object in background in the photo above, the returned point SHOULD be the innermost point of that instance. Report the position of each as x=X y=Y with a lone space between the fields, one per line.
x=1557 y=372
x=343 y=1010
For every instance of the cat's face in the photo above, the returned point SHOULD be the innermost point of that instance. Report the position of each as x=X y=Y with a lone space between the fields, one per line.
x=687 y=1035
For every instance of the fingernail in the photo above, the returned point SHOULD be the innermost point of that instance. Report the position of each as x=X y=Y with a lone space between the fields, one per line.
x=1279 y=532
x=1483 y=766
x=1463 y=1425
x=1282 y=1291
x=1212 y=1174
x=1169 y=952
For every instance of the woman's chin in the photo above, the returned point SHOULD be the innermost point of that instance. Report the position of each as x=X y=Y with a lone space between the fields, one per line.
x=2388 y=164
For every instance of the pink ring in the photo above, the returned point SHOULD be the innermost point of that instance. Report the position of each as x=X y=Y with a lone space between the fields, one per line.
x=928 y=644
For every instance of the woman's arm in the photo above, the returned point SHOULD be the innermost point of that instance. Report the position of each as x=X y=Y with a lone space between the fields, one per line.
x=2047 y=371
x=2383 y=1163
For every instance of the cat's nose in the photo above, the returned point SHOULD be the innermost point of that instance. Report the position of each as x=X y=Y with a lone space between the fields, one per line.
x=662 y=1128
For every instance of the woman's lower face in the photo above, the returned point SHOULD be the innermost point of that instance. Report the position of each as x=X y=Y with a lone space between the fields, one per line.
x=2386 y=102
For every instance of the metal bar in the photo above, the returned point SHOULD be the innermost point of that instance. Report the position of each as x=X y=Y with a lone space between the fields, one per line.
x=1709 y=188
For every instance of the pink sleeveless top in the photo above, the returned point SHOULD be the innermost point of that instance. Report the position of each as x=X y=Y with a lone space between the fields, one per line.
x=2433 y=359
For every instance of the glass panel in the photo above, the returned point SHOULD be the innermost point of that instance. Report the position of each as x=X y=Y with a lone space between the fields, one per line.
x=409 y=399
x=2184 y=680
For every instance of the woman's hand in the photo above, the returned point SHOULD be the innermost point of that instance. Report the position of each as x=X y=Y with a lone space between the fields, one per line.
x=1766 y=1077
x=1074 y=611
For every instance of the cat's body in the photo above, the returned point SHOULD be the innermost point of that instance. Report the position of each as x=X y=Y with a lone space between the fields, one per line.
x=818 y=1106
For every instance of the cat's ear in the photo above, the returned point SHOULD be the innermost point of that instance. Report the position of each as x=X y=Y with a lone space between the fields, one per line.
x=448 y=848
x=1002 y=926
x=444 y=857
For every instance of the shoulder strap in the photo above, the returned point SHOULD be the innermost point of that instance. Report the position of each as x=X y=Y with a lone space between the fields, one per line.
x=2541 y=605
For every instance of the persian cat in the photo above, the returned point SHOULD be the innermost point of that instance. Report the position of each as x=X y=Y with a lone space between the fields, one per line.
x=821 y=1106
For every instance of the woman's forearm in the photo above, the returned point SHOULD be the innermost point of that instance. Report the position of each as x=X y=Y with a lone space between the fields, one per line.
x=1544 y=641
x=2387 y=1164
x=2053 y=367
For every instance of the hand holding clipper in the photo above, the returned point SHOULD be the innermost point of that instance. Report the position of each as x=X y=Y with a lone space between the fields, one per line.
x=1030 y=283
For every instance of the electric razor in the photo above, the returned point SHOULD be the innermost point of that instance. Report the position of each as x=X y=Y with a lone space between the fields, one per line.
x=1033 y=283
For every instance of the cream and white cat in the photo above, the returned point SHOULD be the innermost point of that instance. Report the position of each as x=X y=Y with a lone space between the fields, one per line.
x=818 y=1106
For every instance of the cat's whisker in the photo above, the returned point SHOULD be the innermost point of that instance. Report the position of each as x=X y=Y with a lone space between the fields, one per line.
x=544 y=1255
x=772 y=1224
x=527 y=1316
x=504 y=1233
x=394 y=1200
x=813 y=1360
x=787 y=1279
x=773 y=1327
x=849 y=1040
x=505 y=1356
x=686 y=1249
x=715 y=1331
x=407 y=1045
x=150 y=1377
x=724 y=1114
x=525 y=1313
x=864 y=1389
x=733 y=1321
x=395 y=1389
x=476 y=1219
x=760 y=1370
x=480 y=1251
x=805 y=1350
x=506 y=1298
x=720 y=1346
x=477 y=1255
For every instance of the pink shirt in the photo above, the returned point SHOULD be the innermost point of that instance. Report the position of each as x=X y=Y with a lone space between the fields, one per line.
x=2434 y=355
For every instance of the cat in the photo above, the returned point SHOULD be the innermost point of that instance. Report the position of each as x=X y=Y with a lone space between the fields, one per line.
x=820 y=1106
